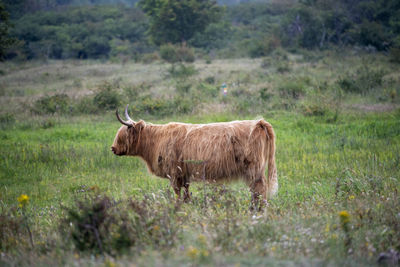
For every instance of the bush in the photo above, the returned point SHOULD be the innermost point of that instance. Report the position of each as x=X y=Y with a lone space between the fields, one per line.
x=265 y=94
x=173 y=54
x=364 y=80
x=107 y=97
x=186 y=54
x=292 y=89
x=12 y=233
x=88 y=224
x=6 y=120
x=85 y=105
x=182 y=71
x=263 y=47
x=168 y=53
x=208 y=90
x=283 y=67
x=183 y=105
x=183 y=87
x=210 y=80
x=314 y=110
x=148 y=58
x=153 y=106
x=133 y=92
x=51 y=104
x=98 y=224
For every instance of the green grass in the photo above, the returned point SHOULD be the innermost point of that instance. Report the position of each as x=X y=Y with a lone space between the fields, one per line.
x=336 y=151
x=323 y=168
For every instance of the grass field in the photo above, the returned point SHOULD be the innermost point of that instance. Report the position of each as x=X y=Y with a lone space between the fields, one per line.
x=338 y=161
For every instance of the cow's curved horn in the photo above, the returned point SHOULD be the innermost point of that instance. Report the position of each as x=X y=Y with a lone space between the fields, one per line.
x=126 y=113
x=121 y=120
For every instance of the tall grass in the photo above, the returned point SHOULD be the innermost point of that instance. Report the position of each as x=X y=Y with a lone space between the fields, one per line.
x=323 y=169
x=337 y=164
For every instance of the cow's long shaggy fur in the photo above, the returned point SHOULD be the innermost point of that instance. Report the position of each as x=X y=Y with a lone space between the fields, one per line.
x=212 y=152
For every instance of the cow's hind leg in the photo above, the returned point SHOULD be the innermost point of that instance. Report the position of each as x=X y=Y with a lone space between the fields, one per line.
x=186 y=193
x=259 y=193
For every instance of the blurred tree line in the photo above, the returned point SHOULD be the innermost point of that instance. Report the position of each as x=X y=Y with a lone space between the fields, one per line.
x=61 y=29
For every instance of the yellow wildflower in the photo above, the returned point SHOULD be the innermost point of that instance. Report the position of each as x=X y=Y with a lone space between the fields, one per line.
x=327 y=228
x=202 y=239
x=156 y=227
x=352 y=197
x=23 y=200
x=344 y=216
x=273 y=249
x=192 y=252
x=204 y=253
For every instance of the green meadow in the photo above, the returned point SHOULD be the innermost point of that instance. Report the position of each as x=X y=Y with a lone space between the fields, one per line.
x=337 y=122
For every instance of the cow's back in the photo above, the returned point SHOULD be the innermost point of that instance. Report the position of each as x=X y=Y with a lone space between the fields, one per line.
x=218 y=151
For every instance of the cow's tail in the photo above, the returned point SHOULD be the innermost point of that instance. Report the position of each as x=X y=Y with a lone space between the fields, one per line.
x=272 y=173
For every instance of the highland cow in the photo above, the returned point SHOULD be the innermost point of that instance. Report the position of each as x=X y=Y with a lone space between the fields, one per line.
x=214 y=152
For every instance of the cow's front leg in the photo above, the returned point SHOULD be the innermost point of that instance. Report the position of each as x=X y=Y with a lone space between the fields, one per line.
x=176 y=184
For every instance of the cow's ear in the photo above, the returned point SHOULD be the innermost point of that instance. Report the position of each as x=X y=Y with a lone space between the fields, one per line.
x=139 y=126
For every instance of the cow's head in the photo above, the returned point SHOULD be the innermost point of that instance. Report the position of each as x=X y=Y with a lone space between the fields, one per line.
x=128 y=136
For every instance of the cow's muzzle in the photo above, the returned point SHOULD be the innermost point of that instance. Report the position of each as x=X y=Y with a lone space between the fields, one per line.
x=114 y=150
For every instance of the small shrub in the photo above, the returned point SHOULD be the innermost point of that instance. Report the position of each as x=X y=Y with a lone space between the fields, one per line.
x=154 y=106
x=148 y=58
x=12 y=234
x=58 y=103
x=182 y=71
x=183 y=105
x=266 y=63
x=173 y=54
x=107 y=97
x=85 y=105
x=263 y=47
x=363 y=81
x=7 y=120
x=292 y=89
x=98 y=224
x=265 y=94
x=169 y=53
x=183 y=87
x=210 y=80
x=48 y=124
x=133 y=92
x=208 y=59
x=88 y=224
x=207 y=89
x=280 y=54
x=186 y=54
x=314 y=110
x=283 y=67
x=348 y=84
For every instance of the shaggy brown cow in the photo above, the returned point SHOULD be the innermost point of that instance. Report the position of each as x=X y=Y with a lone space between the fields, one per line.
x=183 y=152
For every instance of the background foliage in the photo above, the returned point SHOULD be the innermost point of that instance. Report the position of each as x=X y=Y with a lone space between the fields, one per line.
x=101 y=30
